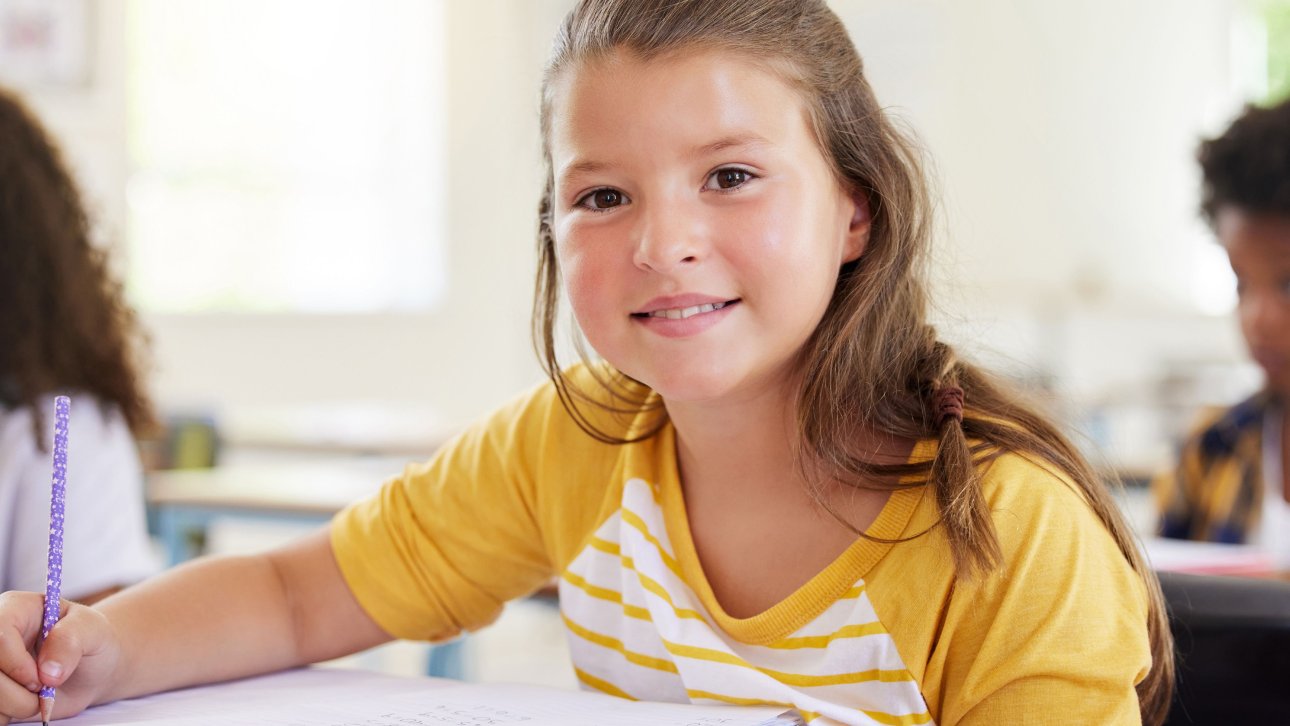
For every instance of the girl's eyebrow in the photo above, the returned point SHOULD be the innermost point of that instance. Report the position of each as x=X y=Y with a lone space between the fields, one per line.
x=737 y=140
x=576 y=168
x=741 y=139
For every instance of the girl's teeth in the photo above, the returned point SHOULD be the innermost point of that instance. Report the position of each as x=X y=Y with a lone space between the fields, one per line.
x=682 y=313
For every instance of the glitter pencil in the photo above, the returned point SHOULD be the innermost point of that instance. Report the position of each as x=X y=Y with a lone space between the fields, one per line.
x=54 y=571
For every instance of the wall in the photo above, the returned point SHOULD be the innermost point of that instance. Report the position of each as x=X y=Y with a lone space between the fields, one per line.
x=1061 y=136
x=458 y=360
x=470 y=354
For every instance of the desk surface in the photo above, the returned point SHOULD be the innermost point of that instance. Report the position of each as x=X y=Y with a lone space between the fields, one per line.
x=1211 y=558
x=320 y=488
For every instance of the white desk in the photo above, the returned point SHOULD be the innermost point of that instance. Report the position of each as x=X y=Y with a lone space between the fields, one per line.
x=1209 y=558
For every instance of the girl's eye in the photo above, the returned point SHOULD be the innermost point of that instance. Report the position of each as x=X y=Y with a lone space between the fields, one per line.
x=728 y=178
x=601 y=199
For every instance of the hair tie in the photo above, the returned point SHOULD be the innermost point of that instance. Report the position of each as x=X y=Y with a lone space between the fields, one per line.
x=948 y=401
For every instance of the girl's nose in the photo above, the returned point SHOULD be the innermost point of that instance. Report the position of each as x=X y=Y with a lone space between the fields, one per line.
x=667 y=238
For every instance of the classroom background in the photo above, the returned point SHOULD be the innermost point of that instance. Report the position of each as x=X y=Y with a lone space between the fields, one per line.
x=325 y=214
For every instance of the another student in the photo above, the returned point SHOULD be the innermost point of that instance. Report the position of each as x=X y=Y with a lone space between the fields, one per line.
x=778 y=486
x=64 y=328
x=1232 y=483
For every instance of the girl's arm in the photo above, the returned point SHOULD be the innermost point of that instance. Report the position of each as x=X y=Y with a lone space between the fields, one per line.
x=209 y=620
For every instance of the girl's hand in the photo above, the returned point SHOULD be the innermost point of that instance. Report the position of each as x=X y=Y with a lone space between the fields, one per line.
x=78 y=658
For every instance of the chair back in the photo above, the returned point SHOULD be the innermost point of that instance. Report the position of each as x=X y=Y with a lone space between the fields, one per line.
x=1232 y=637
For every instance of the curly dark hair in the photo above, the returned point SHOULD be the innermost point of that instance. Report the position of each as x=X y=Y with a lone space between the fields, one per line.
x=64 y=321
x=1248 y=167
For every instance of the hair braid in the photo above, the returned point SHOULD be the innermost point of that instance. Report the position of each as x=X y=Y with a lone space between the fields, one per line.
x=954 y=475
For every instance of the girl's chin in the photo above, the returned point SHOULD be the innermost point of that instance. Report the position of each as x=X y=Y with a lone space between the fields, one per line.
x=690 y=389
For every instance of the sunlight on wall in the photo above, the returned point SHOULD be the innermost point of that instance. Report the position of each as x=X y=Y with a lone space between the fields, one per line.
x=1253 y=73
x=1215 y=285
x=286 y=161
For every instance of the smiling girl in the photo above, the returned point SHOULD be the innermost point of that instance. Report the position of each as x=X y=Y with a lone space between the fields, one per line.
x=774 y=484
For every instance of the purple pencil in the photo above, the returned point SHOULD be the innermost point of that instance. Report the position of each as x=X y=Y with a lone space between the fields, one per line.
x=54 y=571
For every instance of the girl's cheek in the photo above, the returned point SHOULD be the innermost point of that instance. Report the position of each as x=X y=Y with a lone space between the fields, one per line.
x=579 y=269
x=585 y=250
x=575 y=284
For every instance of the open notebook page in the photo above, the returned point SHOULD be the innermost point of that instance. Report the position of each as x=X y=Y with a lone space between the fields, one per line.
x=325 y=697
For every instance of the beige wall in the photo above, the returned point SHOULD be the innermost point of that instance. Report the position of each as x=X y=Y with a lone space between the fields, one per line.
x=1063 y=136
x=471 y=353
x=1061 y=133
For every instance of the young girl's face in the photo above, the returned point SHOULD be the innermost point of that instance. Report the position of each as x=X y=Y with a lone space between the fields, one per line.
x=698 y=227
x=1258 y=246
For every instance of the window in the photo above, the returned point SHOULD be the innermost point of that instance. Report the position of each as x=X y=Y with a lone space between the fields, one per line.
x=1276 y=23
x=287 y=156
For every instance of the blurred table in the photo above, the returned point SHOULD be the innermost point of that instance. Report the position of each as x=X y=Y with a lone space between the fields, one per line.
x=1211 y=558
x=379 y=429
x=184 y=503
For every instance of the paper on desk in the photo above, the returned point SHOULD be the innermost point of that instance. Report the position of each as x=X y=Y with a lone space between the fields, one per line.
x=253 y=695
x=319 y=698
x=1208 y=558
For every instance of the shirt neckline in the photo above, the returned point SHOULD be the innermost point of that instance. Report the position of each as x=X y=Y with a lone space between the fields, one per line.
x=816 y=594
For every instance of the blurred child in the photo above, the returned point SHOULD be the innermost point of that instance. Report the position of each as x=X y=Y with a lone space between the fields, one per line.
x=777 y=487
x=1232 y=483
x=64 y=328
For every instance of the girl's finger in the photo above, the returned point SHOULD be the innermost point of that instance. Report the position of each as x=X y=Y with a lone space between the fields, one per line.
x=19 y=625
x=20 y=614
x=16 y=663
x=16 y=701
x=77 y=633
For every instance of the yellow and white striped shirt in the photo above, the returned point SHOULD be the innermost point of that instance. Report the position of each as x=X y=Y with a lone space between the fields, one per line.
x=883 y=635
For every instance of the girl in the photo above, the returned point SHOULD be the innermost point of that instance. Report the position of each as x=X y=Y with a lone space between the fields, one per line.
x=778 y=486
x=63 y=327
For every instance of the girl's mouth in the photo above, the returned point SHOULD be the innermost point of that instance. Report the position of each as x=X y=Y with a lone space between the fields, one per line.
x=683 y=313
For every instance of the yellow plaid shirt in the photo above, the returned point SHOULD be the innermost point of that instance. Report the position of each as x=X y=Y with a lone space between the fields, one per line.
x=1215 y=493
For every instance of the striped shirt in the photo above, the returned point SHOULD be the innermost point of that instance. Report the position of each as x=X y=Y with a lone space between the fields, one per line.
x=883 y=635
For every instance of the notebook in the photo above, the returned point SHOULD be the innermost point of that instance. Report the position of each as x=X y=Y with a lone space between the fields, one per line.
x=334 y=697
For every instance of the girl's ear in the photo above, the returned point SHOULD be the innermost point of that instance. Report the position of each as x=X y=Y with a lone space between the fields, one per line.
x=858 y=230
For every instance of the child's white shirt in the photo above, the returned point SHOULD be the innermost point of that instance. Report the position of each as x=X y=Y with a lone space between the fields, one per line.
x=105 y=540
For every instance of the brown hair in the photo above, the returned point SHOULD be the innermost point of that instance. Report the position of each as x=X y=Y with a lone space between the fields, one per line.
x=850 y=381
x=63 y=317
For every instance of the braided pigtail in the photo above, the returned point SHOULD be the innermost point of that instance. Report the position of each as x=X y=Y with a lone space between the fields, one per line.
x=954 y=478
